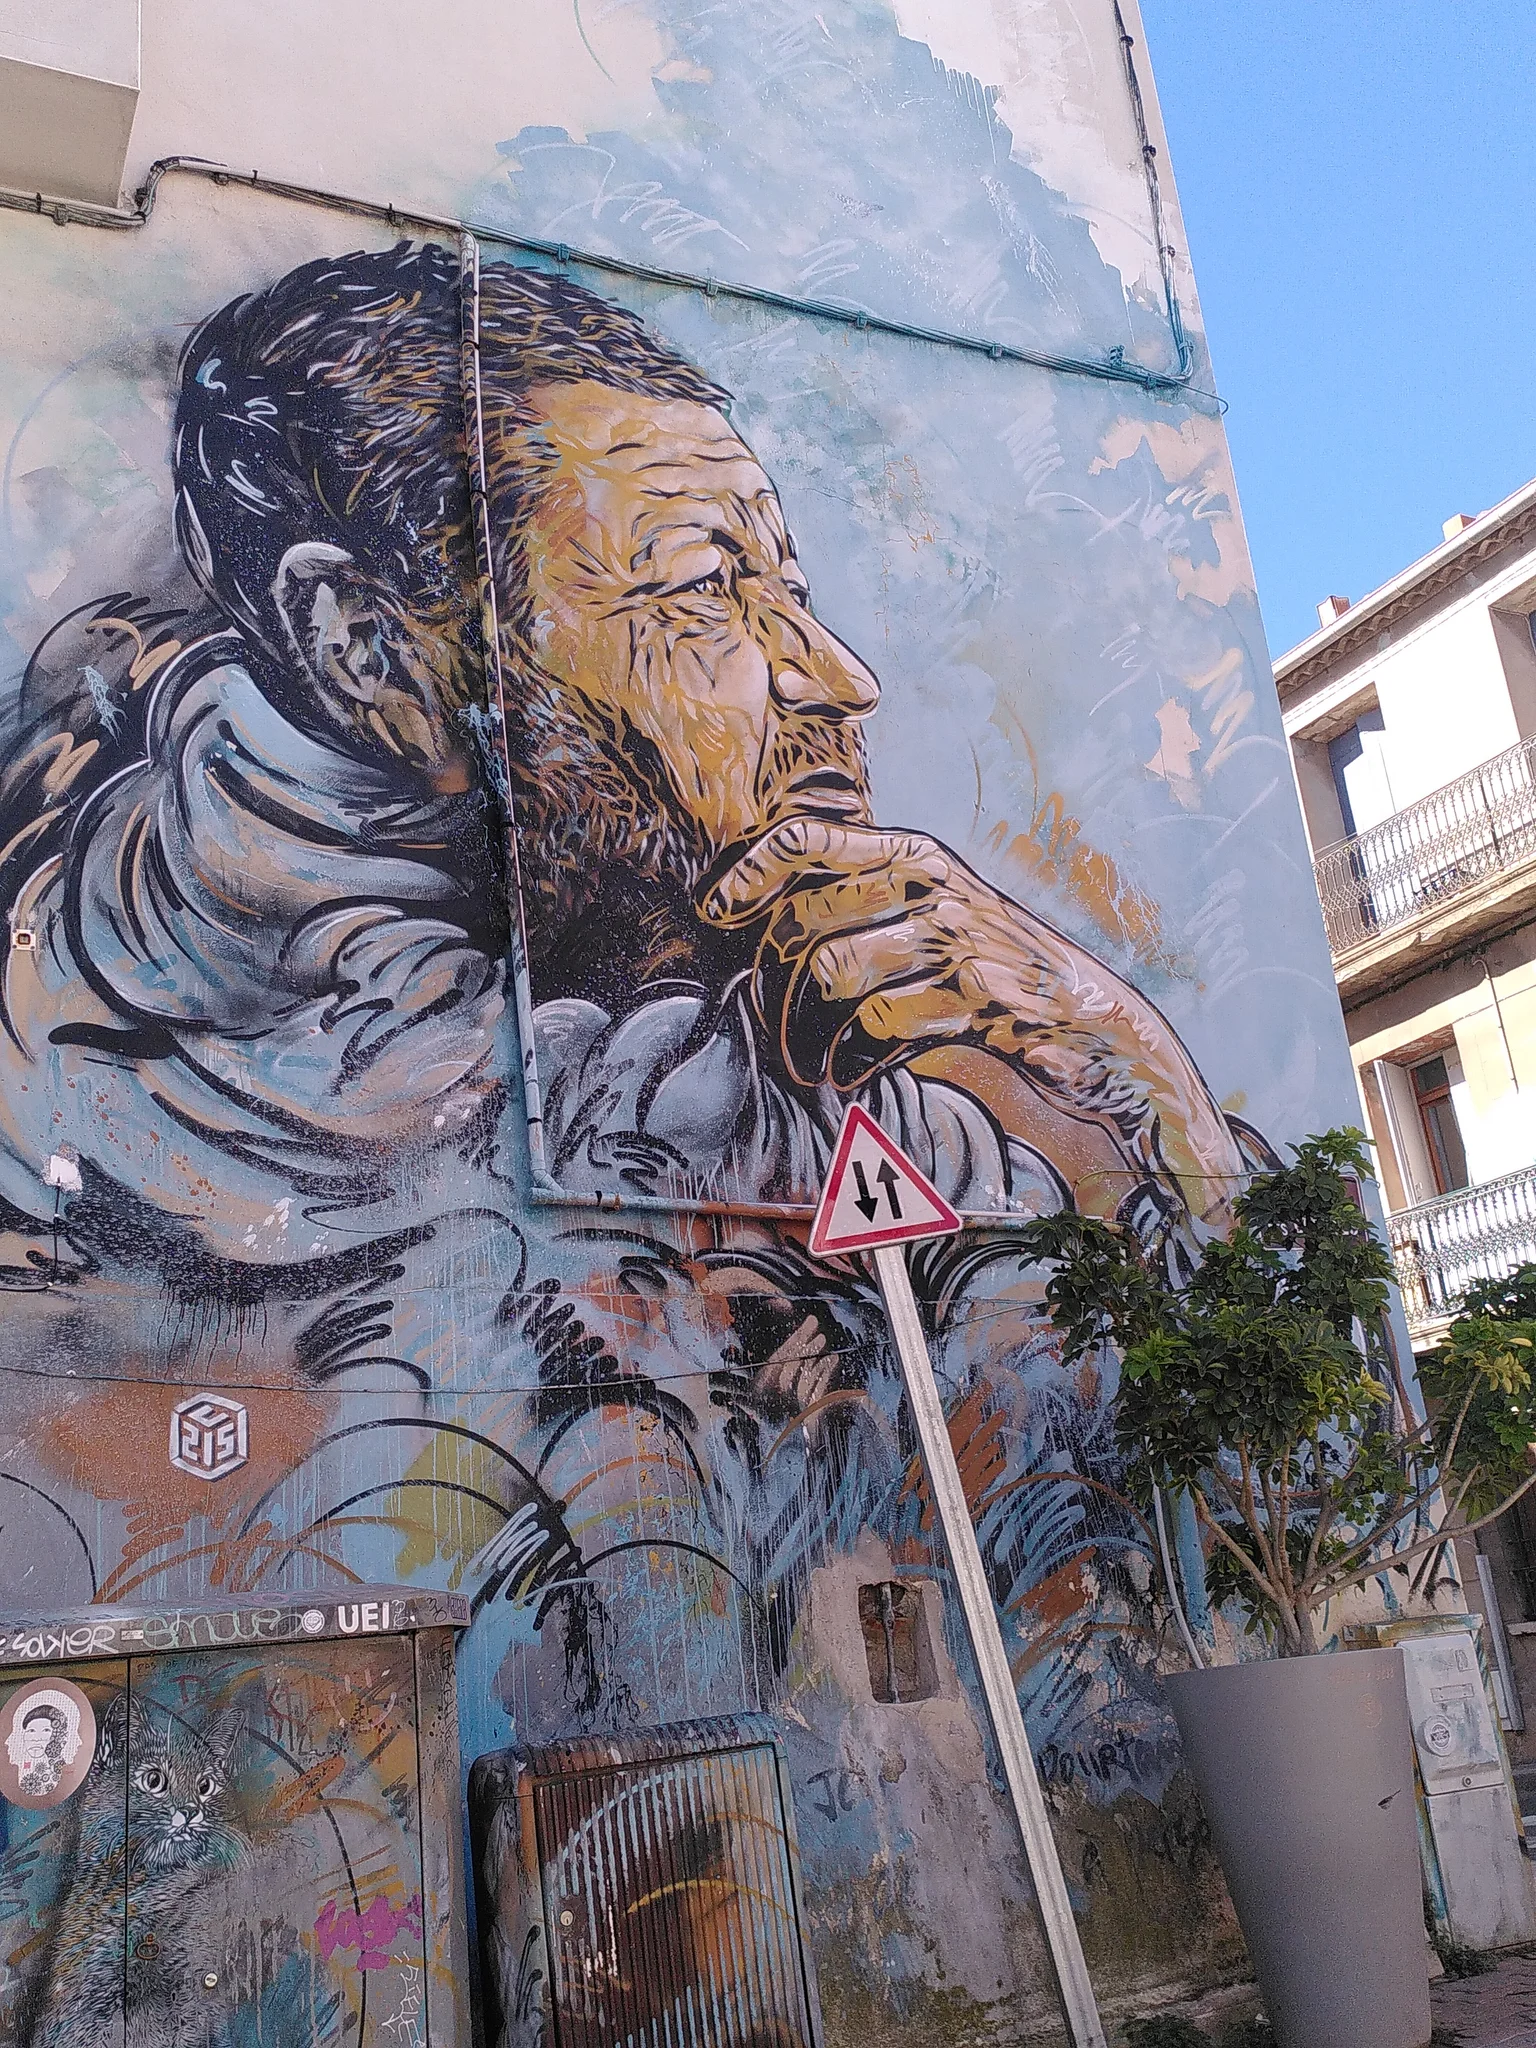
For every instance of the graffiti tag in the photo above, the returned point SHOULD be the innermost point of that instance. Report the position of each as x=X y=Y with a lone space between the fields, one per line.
x=405 y=2027
x=204 y=1631
x=367 y=1617
x=1127 y=1756
x=210 y=1436
x=83 y=1641
x=372 y=1932
x=834 y=1791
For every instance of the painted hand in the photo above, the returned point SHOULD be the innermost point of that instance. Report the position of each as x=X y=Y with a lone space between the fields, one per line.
x=880 y=944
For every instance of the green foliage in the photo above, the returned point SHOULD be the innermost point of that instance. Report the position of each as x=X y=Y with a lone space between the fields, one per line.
x=1165 y=2033
x=1457 y=1960
x=1492 y=1340
x=1168 y=2032
x=1248 y=1387
x=1509 y=1300
x=1254 y=2033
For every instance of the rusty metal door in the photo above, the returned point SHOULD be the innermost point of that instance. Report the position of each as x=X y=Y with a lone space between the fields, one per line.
x=659 y=1868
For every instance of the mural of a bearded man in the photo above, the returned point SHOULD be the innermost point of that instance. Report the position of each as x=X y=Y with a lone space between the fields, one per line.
x=256 y=866
x=266 y=982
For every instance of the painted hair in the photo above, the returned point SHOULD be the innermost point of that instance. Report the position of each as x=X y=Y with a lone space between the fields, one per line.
x=329 y=407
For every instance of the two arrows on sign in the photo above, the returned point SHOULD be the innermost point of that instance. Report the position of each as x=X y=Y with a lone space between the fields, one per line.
x=874 y=1194
x=868 y=1205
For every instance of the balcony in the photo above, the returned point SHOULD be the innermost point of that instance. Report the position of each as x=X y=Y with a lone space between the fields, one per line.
x=1441 y=1247
x=1428 y=868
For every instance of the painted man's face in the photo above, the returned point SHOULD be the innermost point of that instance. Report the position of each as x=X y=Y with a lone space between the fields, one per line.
x=666 y=595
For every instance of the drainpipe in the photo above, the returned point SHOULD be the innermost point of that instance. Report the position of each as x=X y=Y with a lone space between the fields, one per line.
x=1481 y=960
x=1174 y=1601
x=1513 y=1715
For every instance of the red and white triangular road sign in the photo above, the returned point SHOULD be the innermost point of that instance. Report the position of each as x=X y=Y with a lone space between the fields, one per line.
x=874 y=1195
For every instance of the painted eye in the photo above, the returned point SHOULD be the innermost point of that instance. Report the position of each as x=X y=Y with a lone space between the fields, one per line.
x=152 y=1780
x=716 y=584
x=207 y=1785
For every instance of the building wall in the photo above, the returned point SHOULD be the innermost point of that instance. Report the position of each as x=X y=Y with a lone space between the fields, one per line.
x=1454 y=660
x=1483 y=1020
x=1454 y=683
x=1446 y=685
x=490 y=1210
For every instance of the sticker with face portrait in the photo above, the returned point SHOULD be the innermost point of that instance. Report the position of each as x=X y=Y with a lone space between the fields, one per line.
x=47 y=1741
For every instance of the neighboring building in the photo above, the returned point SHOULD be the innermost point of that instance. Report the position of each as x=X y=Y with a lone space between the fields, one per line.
x=452 y=881
x=1411 y=716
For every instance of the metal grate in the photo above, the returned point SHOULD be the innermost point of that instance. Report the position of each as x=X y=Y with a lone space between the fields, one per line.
x=667 y=1888
x=1441 y=1247
x=1472 y=830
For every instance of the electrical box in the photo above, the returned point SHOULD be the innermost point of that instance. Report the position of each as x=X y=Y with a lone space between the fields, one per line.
x=643 y=1889
x=1452 y=1728
x=1474 y=1826
x=233 y=1824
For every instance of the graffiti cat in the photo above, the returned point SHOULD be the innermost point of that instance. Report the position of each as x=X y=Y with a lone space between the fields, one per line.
x=155 y=1833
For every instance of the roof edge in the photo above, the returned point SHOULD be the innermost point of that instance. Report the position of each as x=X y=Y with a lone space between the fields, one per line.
x=1421 y=579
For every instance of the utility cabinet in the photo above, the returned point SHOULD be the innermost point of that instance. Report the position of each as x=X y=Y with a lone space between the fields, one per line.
x=233 y=1825
x=1474 y=1822
x=643 y=1888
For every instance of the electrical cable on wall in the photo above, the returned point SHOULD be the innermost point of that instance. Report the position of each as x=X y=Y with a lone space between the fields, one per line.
x=1112 y=367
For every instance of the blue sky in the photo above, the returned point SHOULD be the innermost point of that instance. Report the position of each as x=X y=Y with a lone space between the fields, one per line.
x=1358 y=180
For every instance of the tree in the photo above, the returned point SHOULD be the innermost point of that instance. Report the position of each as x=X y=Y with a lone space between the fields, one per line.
x=1266 y=1387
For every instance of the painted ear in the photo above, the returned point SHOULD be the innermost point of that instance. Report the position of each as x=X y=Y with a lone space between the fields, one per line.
x=120 y=1725
x=334 y=623
x=225 y=1735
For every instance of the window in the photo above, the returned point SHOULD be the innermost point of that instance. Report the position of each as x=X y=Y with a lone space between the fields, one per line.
x=1442 y=1133
x=1358 y=760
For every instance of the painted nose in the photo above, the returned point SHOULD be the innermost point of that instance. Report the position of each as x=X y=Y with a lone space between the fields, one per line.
x=813 y=671
x=178 y=1821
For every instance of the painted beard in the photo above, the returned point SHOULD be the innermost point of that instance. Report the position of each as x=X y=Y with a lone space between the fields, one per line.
x=589 y=796
x=592 y=797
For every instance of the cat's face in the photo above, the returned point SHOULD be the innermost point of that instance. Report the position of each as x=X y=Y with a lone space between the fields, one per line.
x=177 y=1785
x=173 y=1803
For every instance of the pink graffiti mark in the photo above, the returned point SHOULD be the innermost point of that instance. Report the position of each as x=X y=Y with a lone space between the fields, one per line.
x=372 y=1933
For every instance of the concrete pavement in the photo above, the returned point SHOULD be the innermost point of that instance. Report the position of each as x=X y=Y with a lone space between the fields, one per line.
x=1497 y=2010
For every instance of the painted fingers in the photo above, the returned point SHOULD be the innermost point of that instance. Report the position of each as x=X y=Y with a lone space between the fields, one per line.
x=875 y=942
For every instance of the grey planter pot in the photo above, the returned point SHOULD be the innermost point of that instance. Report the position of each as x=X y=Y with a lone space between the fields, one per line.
x=1305 y=1769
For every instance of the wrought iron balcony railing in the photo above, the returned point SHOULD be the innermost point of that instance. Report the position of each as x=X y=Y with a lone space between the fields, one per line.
x=1473 y=829
x=1441 y=1247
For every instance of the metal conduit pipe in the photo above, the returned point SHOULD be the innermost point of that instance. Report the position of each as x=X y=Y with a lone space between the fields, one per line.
x=1111 y=368
x=1175 y=1599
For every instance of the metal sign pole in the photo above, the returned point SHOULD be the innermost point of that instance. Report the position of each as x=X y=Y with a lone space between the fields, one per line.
x=1073 y=1982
